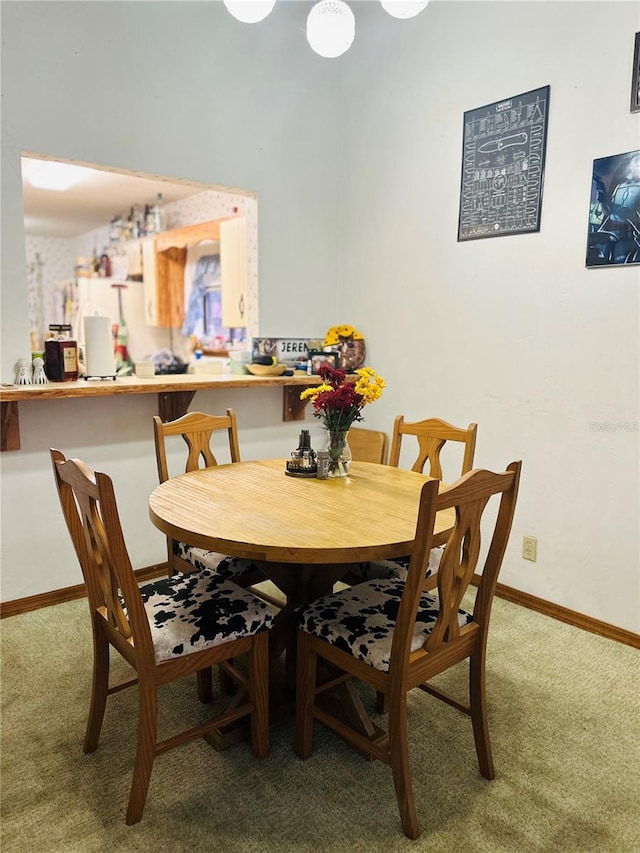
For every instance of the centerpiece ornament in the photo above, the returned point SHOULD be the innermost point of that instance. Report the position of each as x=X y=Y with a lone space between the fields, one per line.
x=338 y=404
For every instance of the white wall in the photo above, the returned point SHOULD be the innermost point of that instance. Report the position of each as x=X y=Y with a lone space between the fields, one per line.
x=513 y=332
x=357 y=167
x=178 y=89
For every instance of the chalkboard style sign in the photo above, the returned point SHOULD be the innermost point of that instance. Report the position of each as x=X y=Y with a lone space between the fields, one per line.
x=503 y=151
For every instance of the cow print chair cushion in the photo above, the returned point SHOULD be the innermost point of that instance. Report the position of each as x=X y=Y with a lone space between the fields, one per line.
x=228 y=568
x=360 y=620
x=189 y=612
x=397 y=568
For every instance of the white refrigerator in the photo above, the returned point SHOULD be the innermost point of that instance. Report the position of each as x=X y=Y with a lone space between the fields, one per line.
x=123 y=302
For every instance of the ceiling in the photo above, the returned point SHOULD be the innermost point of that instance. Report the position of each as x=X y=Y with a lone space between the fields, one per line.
x=94 y=201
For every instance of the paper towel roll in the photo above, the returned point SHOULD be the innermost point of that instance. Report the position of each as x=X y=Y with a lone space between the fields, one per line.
x=98 y=346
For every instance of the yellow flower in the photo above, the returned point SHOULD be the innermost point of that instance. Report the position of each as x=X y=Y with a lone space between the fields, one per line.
x=369 y=385
x=313 y=392
x=339 y=401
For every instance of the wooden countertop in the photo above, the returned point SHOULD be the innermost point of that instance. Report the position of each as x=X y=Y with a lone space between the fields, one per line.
x=156 y=385
x=175 y=393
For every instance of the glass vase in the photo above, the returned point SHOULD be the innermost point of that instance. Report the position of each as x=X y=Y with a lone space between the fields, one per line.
x=339 y=453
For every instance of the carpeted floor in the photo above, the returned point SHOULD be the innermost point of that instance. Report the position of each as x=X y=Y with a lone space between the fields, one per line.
x=565 y=723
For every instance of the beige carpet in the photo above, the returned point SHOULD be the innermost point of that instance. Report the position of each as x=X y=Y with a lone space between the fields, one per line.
x=565 y=725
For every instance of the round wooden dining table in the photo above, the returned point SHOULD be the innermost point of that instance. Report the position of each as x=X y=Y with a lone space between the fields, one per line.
x=303 y=533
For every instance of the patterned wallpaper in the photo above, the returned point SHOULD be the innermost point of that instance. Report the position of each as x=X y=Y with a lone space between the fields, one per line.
x=50 y=261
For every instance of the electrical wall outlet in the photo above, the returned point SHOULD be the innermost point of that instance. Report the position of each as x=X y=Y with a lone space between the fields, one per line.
x=529 y=548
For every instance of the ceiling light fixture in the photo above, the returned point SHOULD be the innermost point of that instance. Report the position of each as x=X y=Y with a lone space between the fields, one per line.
x=51 y=175
x=249 y=11
x=331 y=28
x=403 y=8
x=331 y=25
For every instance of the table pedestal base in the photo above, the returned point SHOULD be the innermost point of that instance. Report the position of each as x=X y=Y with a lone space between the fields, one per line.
x=300 y=585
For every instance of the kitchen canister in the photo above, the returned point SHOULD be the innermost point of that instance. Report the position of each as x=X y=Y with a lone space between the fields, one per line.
x=145 y=369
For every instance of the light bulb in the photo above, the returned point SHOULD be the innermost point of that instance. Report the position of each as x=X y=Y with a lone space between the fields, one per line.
x=404 y=8
x=331 y=28
x=249 y=11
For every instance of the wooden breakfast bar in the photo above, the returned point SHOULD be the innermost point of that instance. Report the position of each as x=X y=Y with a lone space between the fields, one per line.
x=174 y=392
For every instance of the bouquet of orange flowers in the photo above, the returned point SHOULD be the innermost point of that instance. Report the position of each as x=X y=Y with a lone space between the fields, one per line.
x=339 y=403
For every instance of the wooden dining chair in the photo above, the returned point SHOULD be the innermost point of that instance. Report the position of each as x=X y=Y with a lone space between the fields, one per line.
x=393 y=636
x=165 y=630
x=368 y=445
x=197 y=430
x=432 y=434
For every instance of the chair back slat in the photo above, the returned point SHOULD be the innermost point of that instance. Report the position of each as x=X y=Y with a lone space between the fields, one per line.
x=199 y=444
x=432 y=434
x=407 y=612
x=101 y=559
x=457 y=567
x=429 y=448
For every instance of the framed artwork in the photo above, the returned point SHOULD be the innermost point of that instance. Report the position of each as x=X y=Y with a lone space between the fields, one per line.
x=320 y=357
x=503 y=153
x=614 y=211
x=635 y=78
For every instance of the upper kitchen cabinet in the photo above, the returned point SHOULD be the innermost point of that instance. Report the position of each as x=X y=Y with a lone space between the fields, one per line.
x=165 y=257
x=233 y=271
x=150 y=281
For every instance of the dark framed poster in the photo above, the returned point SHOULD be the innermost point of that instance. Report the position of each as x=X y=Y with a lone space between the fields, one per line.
x=503 y=152
x=635 y=77
x=614 y=211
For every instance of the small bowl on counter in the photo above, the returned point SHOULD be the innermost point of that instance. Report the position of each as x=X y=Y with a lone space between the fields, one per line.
x=266 y=369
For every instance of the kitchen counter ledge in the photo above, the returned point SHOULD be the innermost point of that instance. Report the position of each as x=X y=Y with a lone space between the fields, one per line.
x=175 y=393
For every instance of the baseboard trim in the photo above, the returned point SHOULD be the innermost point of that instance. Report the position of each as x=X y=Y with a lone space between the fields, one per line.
x=524 y=599
x=69 y=593
x=563 y=614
